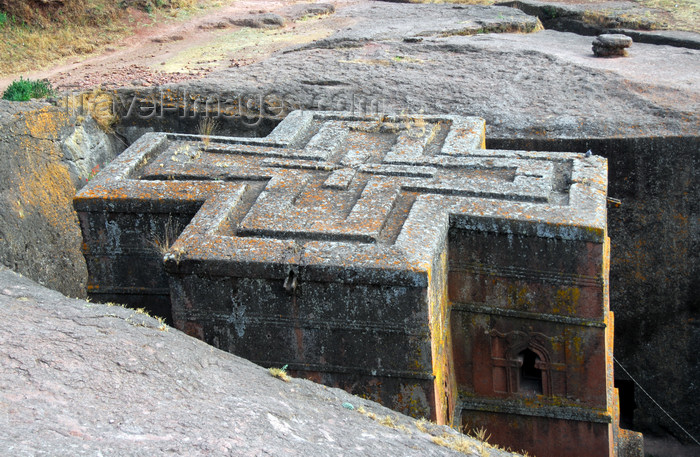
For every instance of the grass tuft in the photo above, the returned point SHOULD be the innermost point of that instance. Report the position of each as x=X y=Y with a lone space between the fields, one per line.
x=280 y=373
x=162 y=326
x=461 y=444
x=23 y=90
x=366 y=413
x=480 y=434
x=207 y=127
x=162 y=241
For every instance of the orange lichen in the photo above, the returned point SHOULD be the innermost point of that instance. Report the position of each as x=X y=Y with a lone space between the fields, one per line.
x=43 y=184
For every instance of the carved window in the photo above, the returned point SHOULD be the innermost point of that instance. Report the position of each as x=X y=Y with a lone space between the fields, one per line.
x=530 y=373
x=521 y=364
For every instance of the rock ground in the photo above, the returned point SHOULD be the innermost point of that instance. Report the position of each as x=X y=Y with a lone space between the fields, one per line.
x=543 y=85
x=78 y=378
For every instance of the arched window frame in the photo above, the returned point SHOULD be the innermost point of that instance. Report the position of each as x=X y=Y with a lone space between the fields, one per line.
x=514 y=364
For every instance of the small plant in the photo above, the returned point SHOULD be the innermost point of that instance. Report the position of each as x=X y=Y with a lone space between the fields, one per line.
x=162 y=242
x=456 y=442
x=93 y=173
x=551 y=12
x=388 y=421
x=369 y=414
x=3 y=18
x=23 y=90
x=206 y=128
x=422 y=425
x=280 y=373
x=480 y=434
x=162 y=326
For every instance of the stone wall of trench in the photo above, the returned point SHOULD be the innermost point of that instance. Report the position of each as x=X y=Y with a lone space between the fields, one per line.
x=45 y=154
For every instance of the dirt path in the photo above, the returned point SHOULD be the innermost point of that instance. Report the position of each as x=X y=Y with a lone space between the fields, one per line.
x=184 y=50
x=175 y=50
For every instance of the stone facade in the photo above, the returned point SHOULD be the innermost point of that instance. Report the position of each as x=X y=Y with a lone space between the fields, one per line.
x=393 y=257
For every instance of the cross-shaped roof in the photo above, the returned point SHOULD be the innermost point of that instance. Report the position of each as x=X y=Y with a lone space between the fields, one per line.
x=364 y=197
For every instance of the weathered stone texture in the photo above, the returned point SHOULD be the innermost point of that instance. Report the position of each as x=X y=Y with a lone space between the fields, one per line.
x=39 y=235
x=654 y=269
x=611 y=45
x=363 y=251
x=633 y=114
x=44 y=155
x=265 y=20
x=84 y=379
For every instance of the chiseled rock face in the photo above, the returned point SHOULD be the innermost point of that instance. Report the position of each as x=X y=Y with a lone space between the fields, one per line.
x=39 y=233
x=45 y=154
x=78 y=378
x=361 y=251
x=649 y=136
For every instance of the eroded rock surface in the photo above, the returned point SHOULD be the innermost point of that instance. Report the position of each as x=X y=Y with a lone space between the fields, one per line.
x=45 y=154
x=611 y=44
x=39 y=233
x=78 y=378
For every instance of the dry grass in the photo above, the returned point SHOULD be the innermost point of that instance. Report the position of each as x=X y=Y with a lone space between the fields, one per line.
x=98 y=104
x=422 y=425
x=387 y=421
x=162 y=326
x=26 y=48
x=480 y=434
x=680 y=14
x=459 y=444
x=369 y=414
x=206 y=128
x=162 y=242
x=672 y=14
x=474 y=443
x=464 y=2
x=280 y=373
x=35 y=38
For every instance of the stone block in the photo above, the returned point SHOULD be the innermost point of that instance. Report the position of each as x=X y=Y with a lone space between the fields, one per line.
x=611 y=45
